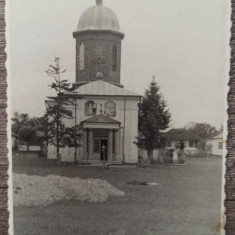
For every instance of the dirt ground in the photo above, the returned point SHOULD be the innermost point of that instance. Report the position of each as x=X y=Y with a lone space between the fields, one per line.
x=186 y=201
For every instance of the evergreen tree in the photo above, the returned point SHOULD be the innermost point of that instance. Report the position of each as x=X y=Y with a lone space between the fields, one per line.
x=59 y=108
x=154 y=117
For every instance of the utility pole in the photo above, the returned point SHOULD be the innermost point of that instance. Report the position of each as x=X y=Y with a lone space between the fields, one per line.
x=75 y=129
x=57 y=69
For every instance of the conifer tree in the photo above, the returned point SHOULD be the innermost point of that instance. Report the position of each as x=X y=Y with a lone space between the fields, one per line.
x=154 y=117
x=59 y=109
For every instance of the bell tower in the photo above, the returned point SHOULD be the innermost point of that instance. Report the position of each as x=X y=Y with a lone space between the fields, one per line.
x=98 y=45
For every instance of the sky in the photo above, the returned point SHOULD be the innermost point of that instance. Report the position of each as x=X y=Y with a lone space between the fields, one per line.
x=183 y=43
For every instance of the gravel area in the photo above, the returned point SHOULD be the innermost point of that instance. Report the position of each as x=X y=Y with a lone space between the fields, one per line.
x=38 y=190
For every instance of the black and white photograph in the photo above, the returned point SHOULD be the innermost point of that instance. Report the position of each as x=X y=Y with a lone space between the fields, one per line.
x=117 y=116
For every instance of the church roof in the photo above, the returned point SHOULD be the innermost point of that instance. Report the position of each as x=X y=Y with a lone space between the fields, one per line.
x=98 y=18
x=100 y=119
x=103 y=88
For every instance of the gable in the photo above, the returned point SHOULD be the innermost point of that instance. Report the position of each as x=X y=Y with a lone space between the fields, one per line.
x=103 y=88
x=101 y=119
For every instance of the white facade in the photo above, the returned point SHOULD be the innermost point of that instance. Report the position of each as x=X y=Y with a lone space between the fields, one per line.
x=120 y=126
x=216 y=145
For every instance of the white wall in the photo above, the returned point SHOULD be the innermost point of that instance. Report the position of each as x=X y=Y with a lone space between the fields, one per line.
x=131 y=104
x=215 y=146
x=129 y=108
x=51 y=153
x=131 y=132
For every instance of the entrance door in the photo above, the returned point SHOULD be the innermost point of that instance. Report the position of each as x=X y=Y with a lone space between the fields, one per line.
x=103 y=149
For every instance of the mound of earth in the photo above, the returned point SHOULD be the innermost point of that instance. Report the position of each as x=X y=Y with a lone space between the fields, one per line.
x=38 y=190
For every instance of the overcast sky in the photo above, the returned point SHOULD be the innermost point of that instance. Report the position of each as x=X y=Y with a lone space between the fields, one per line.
x=184 y=43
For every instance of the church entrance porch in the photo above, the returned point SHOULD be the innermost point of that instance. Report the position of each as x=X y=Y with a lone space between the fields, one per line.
x=101 y=140
x=101 y=144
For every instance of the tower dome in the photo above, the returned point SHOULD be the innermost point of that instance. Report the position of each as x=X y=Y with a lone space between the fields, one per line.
x=98 y=45
x=98 y=18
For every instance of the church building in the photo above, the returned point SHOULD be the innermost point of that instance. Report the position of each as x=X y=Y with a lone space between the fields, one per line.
x=106 y=113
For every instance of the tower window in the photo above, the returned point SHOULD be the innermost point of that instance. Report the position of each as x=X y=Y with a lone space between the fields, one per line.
x=114 y=59
x=82 y=57
x=90 y=108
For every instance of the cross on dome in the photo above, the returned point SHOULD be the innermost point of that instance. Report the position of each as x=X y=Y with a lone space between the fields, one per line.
x=99 y=2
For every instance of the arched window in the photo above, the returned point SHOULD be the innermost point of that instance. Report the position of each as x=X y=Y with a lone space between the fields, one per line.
x=110 y=109
x=90 y=108
x=82 y=57
x=114 y=58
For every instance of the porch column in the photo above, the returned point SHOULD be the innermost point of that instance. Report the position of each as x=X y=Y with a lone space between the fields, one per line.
x=117 y=145
x=110 y=149
x=90 y=144
x=84 y=144
x=121 y=146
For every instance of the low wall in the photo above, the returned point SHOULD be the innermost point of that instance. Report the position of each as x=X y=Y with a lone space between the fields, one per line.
x=32 y=148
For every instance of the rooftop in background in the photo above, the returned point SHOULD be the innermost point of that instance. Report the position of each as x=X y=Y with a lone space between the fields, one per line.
x=219 y=136
x=181 y=134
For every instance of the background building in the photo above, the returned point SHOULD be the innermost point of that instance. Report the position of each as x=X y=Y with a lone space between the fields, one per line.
x=174 y=136
x=216 y=144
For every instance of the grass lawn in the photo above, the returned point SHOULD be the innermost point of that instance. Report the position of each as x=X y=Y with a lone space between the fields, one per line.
x=186 y=201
